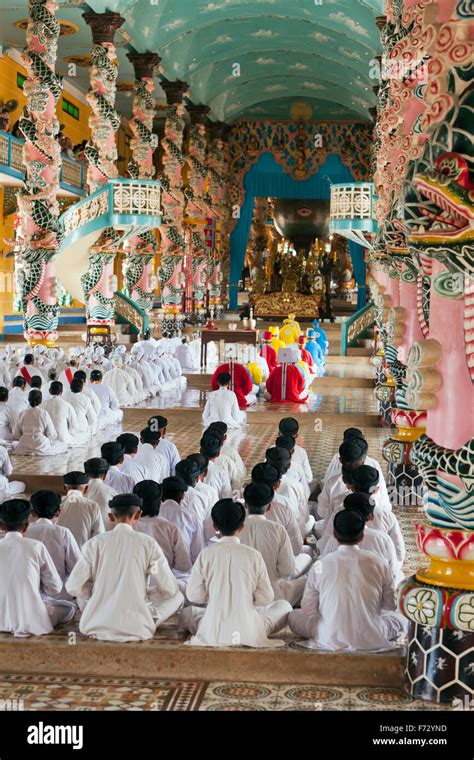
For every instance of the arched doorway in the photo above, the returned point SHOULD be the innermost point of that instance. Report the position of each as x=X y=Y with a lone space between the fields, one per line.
x=266 y=178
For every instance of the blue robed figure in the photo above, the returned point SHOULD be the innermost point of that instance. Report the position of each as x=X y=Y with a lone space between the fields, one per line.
x=320 y=336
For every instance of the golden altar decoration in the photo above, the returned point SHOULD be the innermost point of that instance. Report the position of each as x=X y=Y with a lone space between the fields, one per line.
x=271 y=305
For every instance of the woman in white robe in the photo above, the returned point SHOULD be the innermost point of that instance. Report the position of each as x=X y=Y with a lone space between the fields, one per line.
x=35 y=430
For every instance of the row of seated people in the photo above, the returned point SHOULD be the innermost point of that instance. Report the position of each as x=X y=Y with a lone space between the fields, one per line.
x=139 y=536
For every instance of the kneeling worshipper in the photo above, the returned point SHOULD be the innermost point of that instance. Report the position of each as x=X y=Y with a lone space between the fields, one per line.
x=240 y=382
x=232 y=581
x=58 y=540
x=320 y=336
x=349 y=603
x=290 y=488
x=63 y=415
x=35 y=430
x=131 y=465
x=98 y=490
x=222 y=404
x=111 y=580
x=166 y=447
x=272 y=541
x=290 y=331
x=267 y=351
x=121 y=382
x=375 y=540
x=316 y=352
x=165 y=533
x=30 y=581
x=7 y=418
x=79 y=513
x=110 y=412
x=8 y=487
x=85 y=412
x=286 y=383
x=149 y=458
x=186 y=356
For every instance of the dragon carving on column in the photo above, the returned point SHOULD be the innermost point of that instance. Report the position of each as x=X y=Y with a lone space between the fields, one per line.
x=140 y=251
x=173 y=242
x=101 y=153
x=38 y=232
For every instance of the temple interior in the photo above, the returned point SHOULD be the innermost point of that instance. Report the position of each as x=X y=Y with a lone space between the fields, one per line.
x=191 y=190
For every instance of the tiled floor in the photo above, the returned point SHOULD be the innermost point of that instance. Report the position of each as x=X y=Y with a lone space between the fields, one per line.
x=53 y=692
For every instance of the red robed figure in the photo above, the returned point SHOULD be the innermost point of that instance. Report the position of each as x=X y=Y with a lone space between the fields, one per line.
x=267 y=351
x=240 y=381
x=286 y=384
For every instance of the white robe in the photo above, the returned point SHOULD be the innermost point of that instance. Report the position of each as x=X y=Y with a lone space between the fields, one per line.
x=281 y=513
x=375 y=541
x=7 y=422
x=110 y=581
x=348 y=604
x=61 y=545
x=271 y=540
x=119 y=480
x=168 y=536
x=335 y=468
x=122 y=385
x=131 y=467
x=101 y=492
x=37 y=434
x=218 y=478
x=153 y=462
x=300 y=458
x=8 y=488
x=188 y=524
x=110 y=412
x=81 y=515
x=18 y=400
x=64 y=419
x=187 y=358
x=29 y=584
x=86 y=416
x=232 y=580
x=222 y=406
x=168 y=449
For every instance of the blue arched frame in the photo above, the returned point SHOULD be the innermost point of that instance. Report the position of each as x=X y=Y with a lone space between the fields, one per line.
x=267 y=179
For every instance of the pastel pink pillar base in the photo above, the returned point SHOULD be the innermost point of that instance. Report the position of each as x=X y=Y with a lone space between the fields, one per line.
x=451 y=423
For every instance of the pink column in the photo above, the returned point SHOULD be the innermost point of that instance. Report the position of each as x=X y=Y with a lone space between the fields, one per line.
x=412 y=326
x=450 y=424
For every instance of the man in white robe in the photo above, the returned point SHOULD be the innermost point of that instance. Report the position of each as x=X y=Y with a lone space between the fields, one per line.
x=30 y=581
x=58 y=540
x=291 y=488
x=222 y=405
x=335 y=466
x=348 y=603
x=63 y=415
x=86 y=416
x=245 y=618
x=166 y=447
x=185 y=519
x=80 y=374
x=120 y=481
x=117 y=603
x=193 y=500
x=18 y=396
x=78 y=513
x=110 y=412
x=290 y=426
x=35 y=431
x=217 y=476
x=7 y=417
x=131 y=466
x=150 y=458
x=98 y=490
x=271 y=540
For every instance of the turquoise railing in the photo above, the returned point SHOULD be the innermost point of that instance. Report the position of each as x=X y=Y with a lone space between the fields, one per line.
x=357 y=326
x=127 y=312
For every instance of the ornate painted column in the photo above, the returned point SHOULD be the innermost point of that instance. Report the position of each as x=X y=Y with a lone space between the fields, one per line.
x=173 y=240
x=38 y=231
x=139 y=252
x=197 y=211
x=98 y=282
x=218 y=190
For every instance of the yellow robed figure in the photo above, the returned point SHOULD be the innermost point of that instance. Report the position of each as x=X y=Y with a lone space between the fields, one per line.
x=275 y=342
x=291 y=331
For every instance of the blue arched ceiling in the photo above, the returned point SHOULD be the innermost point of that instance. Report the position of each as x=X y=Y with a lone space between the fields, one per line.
x=287 y=50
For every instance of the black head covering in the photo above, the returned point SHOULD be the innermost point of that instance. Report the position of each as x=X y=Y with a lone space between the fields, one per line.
x=124 y=500
x=128 y=441
x=228 y=515
x=150 y=436
x=365 y=477
x=285 y=442
x=353 y=449
x=352 y=432
x=45 y=502
x=188 y=470
x=158 y=421
x=211 y=444
x=289 y=426
x=219 y=427
x=112 y=452
x=149 y=491
x=14 y=511
x=280 y=458
x=349 y=526
x=201 y=460
x=75 y=478
x=96 y=464
x=266 y=473
x=360 y=502
x=258 y=494
x=174 y=484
